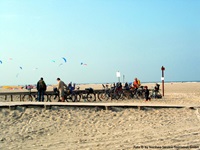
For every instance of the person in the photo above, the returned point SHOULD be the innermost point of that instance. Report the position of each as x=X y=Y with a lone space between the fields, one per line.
x=156 y=93
x=61 y=86
x=41 y=88
x=126 y=86
x=146 y=92
x=71 y=87
x=157 y=87
x=136 y=83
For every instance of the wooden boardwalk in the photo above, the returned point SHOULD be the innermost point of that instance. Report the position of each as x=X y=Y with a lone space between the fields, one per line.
x=106 y=105
x=48 y=105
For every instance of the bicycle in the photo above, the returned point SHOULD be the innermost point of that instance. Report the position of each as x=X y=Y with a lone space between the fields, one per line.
x=114 y=92
x=155 y=93
x=69 y=95
x=89 y=95
x=104 y=94
x=29 y=97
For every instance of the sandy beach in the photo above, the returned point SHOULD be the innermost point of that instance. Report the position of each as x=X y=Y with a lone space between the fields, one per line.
x=73 y=128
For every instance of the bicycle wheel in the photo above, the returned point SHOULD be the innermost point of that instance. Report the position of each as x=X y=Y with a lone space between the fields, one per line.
x=122 y=95
x=102 y=96
x=117 y=96
x=91 y=97
x=158 y=95
x=73 y=97
x=49 y=97
x=27 y=98
x=128 y=94
x=152 y=94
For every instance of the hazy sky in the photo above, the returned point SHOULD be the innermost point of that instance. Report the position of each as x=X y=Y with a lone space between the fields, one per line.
x=135 y=37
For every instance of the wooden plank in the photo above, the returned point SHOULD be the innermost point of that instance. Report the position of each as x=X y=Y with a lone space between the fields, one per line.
x=35 y=92
x=82 y=104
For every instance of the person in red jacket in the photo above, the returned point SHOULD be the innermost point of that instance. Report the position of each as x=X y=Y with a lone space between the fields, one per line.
x=136 y=83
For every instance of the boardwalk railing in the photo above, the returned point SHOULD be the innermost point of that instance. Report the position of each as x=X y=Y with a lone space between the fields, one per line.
x=77 y=94
x=48 y=94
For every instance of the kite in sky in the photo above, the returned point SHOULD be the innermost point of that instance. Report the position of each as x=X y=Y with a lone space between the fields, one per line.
x=20 y=68
x=83 y=64
x=1 y=62
x=64 y=59
x=35 y=69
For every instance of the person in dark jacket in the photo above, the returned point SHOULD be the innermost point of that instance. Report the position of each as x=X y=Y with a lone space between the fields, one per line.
x=41 y=88
x=147 y=98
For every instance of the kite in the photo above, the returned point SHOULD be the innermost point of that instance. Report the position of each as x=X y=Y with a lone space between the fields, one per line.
x=64 y=59
x=1 y=62
x=83 y=64
x=53 y=61
x=35 y=69
x=20 y=67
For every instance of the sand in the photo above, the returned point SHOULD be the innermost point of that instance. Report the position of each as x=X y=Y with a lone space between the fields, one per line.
x=98 y=129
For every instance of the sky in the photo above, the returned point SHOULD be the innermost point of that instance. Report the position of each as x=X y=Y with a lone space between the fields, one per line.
x=134 y=37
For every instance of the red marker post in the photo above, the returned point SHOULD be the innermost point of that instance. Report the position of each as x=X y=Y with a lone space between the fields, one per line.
x=162 y=78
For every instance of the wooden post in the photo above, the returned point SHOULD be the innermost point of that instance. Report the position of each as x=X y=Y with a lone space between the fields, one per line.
x=163 y=69
x=123 y=79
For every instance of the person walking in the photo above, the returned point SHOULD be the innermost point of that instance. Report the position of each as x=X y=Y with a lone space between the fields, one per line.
x=41 y=88
x=61 y=86
x=146 y=92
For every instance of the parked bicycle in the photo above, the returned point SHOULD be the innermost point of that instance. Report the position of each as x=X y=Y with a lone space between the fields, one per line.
x=29 y=97
x=105 y=93
x=115 y=92
x=69 y=95
x=88 y=95
x=155 y=93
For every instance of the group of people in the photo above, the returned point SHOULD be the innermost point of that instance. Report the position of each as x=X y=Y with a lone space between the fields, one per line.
x=135 y=85
x=42 y=87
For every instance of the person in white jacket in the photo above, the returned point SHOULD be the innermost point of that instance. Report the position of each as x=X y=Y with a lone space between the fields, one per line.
x=61 y=86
